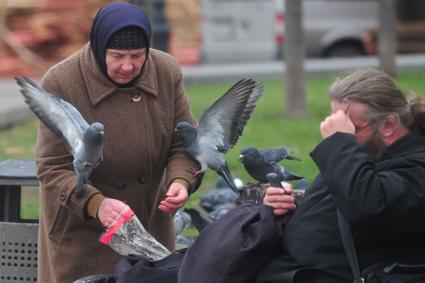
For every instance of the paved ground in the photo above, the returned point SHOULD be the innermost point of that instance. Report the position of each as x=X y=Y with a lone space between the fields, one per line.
x=13 y=109
x=12 y=106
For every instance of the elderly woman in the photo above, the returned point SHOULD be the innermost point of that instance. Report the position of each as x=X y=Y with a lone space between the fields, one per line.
x=137 y=94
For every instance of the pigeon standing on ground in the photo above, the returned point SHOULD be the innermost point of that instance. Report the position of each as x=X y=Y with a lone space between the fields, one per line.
x=181 y=221
x=221 y=194
x=258 y=163
x=221 y=210
x=83 y=141
x=219 y=128
x=198 y=219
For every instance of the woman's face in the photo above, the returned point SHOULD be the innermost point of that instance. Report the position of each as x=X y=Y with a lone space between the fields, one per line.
x=124 y=65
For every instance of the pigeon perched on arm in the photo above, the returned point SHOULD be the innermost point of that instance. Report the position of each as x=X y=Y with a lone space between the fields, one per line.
x=83 y=141
x=219 y=128
x=258 y=163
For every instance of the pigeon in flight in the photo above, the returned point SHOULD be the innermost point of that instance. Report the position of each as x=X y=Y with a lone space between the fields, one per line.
x=219 y=128
x=258 y=163
x=83 y=141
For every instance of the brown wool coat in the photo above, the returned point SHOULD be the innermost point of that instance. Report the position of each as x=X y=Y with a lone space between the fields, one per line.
x=140 y=160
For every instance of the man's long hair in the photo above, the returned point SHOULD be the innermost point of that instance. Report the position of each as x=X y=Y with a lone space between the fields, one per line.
x=382 y=96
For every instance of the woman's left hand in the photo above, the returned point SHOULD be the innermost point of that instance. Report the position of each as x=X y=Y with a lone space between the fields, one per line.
x=175 y=198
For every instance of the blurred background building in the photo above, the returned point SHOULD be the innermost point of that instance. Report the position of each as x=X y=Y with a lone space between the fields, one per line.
x=34 y=34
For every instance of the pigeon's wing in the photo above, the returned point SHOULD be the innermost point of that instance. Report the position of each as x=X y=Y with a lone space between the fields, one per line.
x=250 y=106
x=57 y=114
x=222 y=123
x=277 y=154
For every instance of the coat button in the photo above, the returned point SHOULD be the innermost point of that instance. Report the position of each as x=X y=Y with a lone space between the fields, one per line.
x=136 y=97
x=62 y=196
x=142 y=179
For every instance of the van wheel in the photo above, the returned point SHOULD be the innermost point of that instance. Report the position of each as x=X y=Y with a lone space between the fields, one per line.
x=344 y=50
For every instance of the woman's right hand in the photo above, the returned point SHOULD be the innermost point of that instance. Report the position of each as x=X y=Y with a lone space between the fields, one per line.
x=281 y=200
x=109 y=210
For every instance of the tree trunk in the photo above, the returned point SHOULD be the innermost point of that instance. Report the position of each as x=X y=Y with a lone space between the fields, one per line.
x=387 y=38
x=296 y=105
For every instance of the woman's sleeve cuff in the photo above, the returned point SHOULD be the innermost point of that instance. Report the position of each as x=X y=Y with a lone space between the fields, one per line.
x=94 y=204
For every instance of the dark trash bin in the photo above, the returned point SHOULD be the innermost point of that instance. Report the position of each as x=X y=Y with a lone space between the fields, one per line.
x=18 y=237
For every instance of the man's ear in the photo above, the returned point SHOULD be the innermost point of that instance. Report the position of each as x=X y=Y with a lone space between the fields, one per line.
x=390 y=126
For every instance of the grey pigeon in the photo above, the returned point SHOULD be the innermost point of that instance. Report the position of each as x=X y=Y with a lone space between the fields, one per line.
x=221 y=210
x=183 y=242
x=258 y=163
x=219 y=195
x=83 y=141
x=219 y=128
x=198 y=219
x=181 y=221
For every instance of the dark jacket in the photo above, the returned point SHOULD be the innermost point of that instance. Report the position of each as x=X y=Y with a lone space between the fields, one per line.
x=141 y=158
x=383 y=202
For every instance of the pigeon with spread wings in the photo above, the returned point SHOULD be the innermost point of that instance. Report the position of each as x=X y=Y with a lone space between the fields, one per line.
x=83 y=141
x=219 y=128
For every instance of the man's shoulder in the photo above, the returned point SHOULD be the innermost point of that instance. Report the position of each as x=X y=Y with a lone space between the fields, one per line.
x=409 y=145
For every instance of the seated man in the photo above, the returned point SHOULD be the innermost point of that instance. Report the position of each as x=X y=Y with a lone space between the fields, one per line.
x=372 y=168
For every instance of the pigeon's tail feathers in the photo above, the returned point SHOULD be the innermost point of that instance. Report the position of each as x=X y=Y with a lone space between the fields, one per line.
x=290 y=176
x=198 y=220
x=224 y=172
x=290 y=157
x=277 y=154
x=256 y=93
x=79 y=189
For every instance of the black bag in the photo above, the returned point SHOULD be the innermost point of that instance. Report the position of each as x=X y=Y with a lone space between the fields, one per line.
x=408 y=271
x=234 y=248
x=398 y=272
x=138 y=269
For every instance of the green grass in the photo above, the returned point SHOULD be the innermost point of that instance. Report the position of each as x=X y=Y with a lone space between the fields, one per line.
x=268 y=126
x=18 y=142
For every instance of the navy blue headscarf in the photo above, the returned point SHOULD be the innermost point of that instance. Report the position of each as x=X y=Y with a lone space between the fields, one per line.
x=110 y=19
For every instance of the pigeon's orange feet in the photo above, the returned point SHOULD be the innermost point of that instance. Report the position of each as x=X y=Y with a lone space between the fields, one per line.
x=194 y=171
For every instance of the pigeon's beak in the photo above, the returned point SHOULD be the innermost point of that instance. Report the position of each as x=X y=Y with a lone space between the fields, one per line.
x=241 y=158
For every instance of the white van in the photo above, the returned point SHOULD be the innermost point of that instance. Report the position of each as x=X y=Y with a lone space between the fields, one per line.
x=335 y=28
x=238 y=30
x=252 y=30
